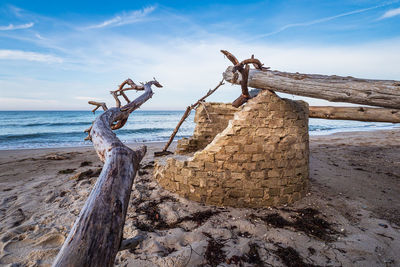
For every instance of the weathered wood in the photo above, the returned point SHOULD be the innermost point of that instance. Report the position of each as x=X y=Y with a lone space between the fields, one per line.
x=96 y=236
x=381 y=93
x=171 y=138
x=131 y=242
x=356 y=113
x=185 y=115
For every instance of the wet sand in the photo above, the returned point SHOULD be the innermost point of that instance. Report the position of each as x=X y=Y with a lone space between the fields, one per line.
x=351 y=216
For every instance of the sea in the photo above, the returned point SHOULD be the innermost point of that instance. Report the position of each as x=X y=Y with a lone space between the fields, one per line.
x=50 y=129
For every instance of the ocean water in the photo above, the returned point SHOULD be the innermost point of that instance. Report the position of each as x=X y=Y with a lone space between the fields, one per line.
x=43 y=129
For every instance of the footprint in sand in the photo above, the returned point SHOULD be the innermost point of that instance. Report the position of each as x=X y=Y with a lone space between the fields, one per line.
x=50 y=241
x=21 y=251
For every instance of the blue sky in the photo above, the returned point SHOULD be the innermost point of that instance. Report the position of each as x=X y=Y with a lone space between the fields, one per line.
x=60 y=54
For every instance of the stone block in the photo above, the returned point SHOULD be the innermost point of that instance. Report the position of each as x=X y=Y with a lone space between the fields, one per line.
x=274 y=192
x=238 y=175
x=203 y=156
x=219 y=192
x=256 y=193
x=274 y=173
x=257 y=174
x=242 y=157
x=231 y=148
x=222 y=156
x=253 y=148
x=236 y=193
x=196 y=164
x=233 y=166
x=210 y=166
x=257 y=157
x=250 y=166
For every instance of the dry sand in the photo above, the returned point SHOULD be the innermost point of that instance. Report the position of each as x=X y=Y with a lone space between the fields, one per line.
x=351 y=217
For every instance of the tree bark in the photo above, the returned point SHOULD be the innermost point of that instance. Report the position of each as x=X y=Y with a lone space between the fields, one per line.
x=356 y=113
x=381 y=93
x=96 y=236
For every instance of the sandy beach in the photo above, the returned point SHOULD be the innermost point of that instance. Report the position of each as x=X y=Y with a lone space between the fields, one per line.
x=350 y=217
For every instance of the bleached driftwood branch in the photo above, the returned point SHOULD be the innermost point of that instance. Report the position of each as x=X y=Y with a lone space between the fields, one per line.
x=96 y=236
x=381 y=93
x=356 y=113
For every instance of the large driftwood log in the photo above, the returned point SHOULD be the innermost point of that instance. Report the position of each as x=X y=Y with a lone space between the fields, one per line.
x=96 y=236
x=356 y=113
x=381 y=93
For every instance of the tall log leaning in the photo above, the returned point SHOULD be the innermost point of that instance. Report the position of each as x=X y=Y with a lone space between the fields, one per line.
x=381 y=93
x=96 y=236
x=356 y=113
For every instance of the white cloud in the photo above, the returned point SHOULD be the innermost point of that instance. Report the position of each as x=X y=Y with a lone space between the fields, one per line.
x=321 y=20
x=125 y=18
x=29 y=56
x=12 y=27
x=87 y=98
x=24 y=103
x=391 y=13
x=186 y=66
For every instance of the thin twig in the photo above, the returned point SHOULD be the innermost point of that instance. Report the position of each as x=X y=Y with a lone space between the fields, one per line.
x=185 y=115
x=98 y=105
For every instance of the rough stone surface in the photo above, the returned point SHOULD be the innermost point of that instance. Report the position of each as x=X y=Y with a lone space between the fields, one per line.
x=260 y=159
x=210 y=119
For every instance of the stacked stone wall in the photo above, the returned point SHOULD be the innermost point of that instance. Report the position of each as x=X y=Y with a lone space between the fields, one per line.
x=210 y=119
x=261 y=159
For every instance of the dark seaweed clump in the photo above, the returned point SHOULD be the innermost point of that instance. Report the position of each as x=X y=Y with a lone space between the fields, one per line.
x=152 y=212
x=306 y=220
x=214 y=254
x=85 y=163
x=199 y=217
x=291 y=258
x=66 y=171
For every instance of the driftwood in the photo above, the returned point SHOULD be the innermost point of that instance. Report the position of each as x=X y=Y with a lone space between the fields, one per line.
x=131 y=242
x=243 y=68
x=185 y=115
x=356 y=113
x=381 y=93
x=96 y=236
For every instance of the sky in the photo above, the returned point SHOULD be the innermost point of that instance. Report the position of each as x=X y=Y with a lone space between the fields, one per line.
x=57 y=55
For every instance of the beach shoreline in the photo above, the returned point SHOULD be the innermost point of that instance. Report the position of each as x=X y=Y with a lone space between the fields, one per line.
x=354 y=186
x=133 y=144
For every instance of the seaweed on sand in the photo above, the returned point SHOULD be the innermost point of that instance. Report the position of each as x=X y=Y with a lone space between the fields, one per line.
x=152 y=212
x=273 y=219
x=66 y=171
x=306 y=220
x=214 y=254
x=199 y=217
x=252 y=257
x=291 y=258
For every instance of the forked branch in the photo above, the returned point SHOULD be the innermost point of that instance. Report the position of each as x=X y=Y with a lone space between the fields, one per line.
x=96 y=236
x=243 y=68
x=98 y=105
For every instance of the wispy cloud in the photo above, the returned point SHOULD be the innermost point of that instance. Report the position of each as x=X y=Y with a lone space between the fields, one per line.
x=12 y=27
x=29 y=56
x=88 y=98
x=391 y=13
x=124 y=18
x=321 y=20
